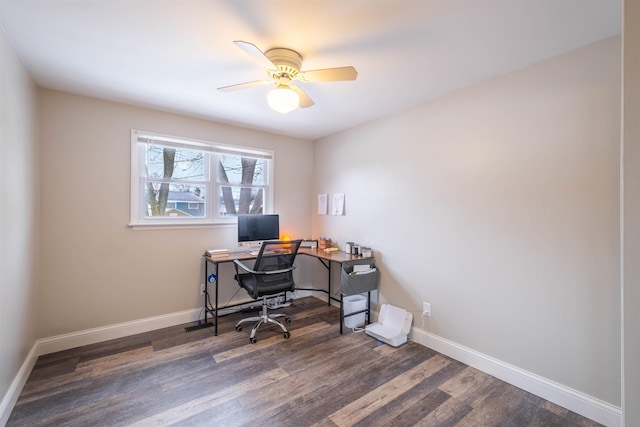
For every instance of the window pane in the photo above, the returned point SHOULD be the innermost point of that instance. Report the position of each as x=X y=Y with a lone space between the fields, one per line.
x=174 y=200
x=241 y=200
x=242 y=170
x=176 y=163
x=185 y=181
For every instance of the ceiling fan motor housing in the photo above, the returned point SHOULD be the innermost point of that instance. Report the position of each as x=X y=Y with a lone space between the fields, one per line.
x=288 y=62
x=282 y=66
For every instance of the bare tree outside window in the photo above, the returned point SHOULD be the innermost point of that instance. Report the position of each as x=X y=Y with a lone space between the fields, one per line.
x=158 y=198
x=186 y=181
x=241 y=174
x=170 y=171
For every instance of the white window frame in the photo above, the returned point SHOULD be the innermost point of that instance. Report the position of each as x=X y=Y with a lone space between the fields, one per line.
x=140 y=138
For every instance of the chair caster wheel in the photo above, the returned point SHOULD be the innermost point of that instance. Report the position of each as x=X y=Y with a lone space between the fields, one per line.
x=238 y=328
x=287 y=335
x=287 y=320
x=253 y=340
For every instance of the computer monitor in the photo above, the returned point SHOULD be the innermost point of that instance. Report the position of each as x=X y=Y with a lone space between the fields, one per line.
x=254 y=229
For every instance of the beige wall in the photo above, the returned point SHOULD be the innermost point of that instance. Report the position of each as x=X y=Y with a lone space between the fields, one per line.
x=97 y=271
x=18 y=217
x=631 y=229
x=499 y=205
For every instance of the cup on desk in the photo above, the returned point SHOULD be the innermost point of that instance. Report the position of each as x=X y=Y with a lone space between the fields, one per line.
x=348 y=246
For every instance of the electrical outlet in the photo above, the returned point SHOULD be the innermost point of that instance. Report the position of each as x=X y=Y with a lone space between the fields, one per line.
x=202 y=289
x=426 y=309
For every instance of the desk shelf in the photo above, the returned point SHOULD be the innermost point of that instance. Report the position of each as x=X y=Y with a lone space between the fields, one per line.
x=355 y=284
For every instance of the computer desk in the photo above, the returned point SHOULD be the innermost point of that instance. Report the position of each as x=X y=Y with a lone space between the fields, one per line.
x=326 y=258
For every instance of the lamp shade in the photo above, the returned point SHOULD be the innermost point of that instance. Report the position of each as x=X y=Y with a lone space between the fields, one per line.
x=283 y=99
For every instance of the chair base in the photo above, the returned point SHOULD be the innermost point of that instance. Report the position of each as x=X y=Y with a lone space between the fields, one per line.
x=265 y=317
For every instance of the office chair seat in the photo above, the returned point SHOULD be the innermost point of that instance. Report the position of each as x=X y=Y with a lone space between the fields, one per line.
x=271 y=275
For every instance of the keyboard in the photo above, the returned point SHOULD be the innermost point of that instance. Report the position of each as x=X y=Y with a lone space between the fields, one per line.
x=264 y=253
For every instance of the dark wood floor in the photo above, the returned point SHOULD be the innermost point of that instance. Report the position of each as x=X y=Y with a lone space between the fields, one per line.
x=317 y=377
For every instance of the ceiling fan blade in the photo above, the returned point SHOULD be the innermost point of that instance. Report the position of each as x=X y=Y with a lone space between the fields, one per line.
x=244 y=85
x=328 y=75
x=305 y=101
x=254 y=51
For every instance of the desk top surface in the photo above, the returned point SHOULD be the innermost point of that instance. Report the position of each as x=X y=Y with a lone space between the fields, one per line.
x=335 y=256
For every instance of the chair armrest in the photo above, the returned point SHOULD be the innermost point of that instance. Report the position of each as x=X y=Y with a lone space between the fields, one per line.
x=284 y=270
x=240 y=264
x=243 y=266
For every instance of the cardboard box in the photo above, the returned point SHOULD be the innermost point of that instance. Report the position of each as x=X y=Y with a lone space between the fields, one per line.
x=324 y=244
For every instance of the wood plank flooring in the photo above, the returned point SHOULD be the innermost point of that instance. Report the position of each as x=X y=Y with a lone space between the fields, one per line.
x=316 y=378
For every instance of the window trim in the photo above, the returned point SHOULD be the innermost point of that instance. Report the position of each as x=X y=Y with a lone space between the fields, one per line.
x=212 y=218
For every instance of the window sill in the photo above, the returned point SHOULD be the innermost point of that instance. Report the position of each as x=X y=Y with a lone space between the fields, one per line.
x=179 y=226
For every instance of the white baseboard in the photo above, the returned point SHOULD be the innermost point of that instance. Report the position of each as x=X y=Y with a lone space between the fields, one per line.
x=11 y=396
x=302 y=294
x=578 y=402
x=119 y=330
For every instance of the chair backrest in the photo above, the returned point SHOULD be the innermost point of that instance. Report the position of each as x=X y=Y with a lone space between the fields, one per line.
x=276 y=255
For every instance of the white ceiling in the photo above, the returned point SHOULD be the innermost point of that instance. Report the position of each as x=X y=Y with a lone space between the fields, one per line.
x=172 y=55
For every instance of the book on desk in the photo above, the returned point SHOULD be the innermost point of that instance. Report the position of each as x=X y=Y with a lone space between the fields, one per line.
x=217 y=253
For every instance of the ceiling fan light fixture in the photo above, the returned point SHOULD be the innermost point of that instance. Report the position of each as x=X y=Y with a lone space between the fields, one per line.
x=283 y=99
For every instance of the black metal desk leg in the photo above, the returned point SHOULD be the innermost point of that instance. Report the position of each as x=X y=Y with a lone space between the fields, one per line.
x=341 y=313
x=329 y=285
x=206 y=290
x=215 y=309
x=205 y=323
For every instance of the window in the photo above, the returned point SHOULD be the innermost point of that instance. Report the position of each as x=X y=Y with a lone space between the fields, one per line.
x=183 y=181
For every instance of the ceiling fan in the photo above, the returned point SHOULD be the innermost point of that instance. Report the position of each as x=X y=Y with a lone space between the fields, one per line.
x=283 y=67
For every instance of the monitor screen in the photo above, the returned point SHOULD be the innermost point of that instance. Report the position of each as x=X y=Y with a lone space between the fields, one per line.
x=252 y=228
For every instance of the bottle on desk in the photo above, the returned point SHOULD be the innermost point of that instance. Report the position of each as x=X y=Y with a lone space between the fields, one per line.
x=348 y=246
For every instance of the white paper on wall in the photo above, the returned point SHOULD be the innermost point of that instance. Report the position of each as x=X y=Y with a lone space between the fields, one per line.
x=322 y=204
x=338 y=204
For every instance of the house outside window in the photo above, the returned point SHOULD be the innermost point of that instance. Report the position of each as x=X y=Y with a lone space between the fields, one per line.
x=181 y=181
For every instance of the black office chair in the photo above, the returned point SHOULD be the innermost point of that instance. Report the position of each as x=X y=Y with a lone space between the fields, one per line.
x=272 y=274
